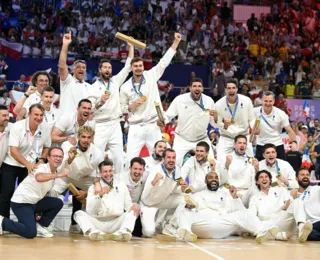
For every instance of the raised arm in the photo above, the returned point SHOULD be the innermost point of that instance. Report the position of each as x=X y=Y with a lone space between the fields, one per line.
x=67 y=39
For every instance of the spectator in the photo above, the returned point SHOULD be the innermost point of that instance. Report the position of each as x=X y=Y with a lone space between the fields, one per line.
x=293 y=156
x=5 y=100
x=21 y=84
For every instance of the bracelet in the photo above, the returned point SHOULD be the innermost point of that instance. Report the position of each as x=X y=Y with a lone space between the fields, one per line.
x=26 y=95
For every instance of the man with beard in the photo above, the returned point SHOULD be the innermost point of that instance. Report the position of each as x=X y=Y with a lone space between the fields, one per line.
x=109 y=211
x=273 y=206
x=162 y=191
x=107 y=111
x=281 y=171
x=67 y=126
x=29 y=143
x=217 y=213
x=309 y=196
x=137 y=96
x=4 y=135
x=273 y=120
x=237 y=169
x=39 y=80
x=82 y=161
x=72 y=88
x=156 y=157
x=197 y=167
x=195 y=111
x=235 y=116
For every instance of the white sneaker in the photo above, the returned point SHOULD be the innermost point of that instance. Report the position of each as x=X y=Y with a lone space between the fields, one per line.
x=1 y=230
x=169 y=230
x=75 y=229
x=267 y=235
x=43 y=232
x=304 y=231
x=187 y=235
x=281 y=236
x=96 y=235
x=121 y=235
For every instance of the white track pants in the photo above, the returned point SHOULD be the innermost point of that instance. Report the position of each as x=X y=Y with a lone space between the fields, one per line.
x=148 y=214
x=287 y=220
x=142 y=135
x=206 y=225
x=111 y=135
x=86 y=222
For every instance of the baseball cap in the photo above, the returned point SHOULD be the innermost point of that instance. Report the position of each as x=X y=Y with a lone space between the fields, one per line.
x=304 y=126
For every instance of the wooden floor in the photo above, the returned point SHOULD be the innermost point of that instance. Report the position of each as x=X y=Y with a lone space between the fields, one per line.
x=65 y=247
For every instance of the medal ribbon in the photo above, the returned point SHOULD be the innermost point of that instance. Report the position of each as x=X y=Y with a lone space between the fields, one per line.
x=233 y=114
x=201 y=103
x=264 y=119
x=135 y=89
x=166 y=172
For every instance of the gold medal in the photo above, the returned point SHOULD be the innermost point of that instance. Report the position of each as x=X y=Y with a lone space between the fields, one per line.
x=143 y=98
x=250 y=160
x=107 y=92
x=226 y=185
x=207 y=111
x=189 y=190
x=232 y=120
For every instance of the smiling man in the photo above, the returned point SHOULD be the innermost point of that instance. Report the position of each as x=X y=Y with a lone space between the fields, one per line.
x=273 y=120
x=82 y=160
x=281 y=171
x=67 y=125
x=107 y=110
x=195 y=111
x=235 y=116
x=161 y=191
x=217 y=213
x=137 y=98
x=109 y=211
x=237 y=169
x=72 y=88
x=273 y=206
x=197 y=167
x=309 y=197
x=29 y=142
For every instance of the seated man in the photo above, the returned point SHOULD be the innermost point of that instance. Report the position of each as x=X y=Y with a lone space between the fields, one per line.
x=110 y=211
x=162 y=191
x=197 y=167
x=217 y=213
x=30 y=200
x=238 y=170
x=309 y=196
x=272 y=205
x=281 y=171
x=82 y=161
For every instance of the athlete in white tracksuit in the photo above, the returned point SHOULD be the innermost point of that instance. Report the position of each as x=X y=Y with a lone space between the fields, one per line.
x=161 y=191
x=281 y=171
x=107 y=109
x=237 y=170
x=109 y=211
x=235 y=115
x=137 y=96
x=217 y=213
x=195 y=112
x=82 y=162
x=273 y=205
x=197 y=167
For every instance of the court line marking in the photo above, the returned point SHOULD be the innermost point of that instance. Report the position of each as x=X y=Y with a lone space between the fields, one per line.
x=204 y=250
